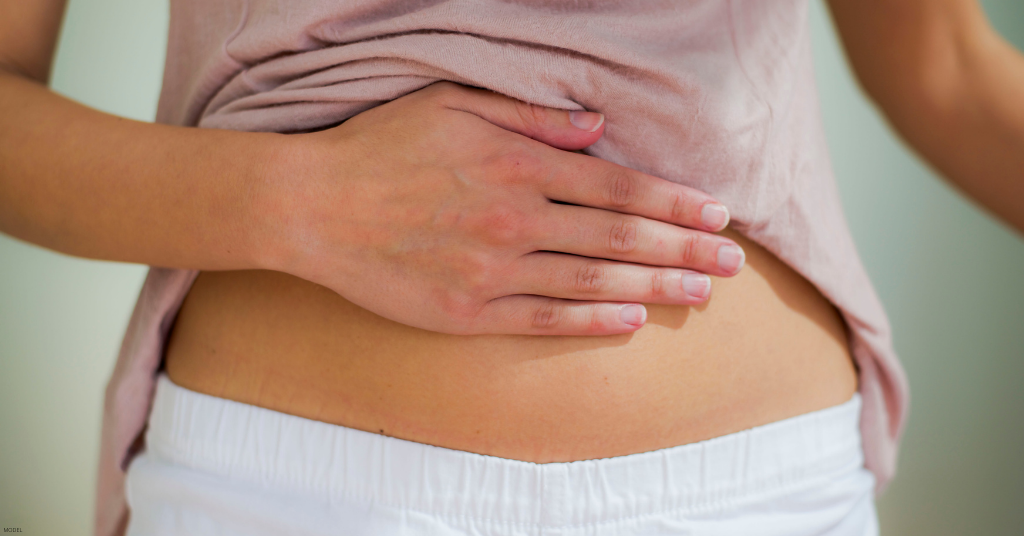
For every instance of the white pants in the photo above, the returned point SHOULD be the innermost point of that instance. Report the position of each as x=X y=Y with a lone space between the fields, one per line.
x=218 y=467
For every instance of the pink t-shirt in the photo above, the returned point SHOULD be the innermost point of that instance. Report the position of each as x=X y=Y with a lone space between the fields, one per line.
x=714 y=94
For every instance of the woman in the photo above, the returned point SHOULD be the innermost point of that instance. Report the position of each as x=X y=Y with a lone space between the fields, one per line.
x=425 y=259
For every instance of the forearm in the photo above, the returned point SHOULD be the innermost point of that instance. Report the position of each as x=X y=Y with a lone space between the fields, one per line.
x=91 y=184
x=952 y=88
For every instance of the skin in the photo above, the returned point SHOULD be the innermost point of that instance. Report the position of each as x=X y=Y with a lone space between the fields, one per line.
x=292 y=209
x=765 y=347
x=447 y=353
x=768 y=346
x=449 y=213
x=950 y=85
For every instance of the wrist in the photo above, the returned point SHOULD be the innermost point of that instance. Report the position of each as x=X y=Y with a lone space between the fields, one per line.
x=282 y=231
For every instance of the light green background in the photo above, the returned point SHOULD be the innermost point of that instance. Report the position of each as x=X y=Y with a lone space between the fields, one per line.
x=951 y=278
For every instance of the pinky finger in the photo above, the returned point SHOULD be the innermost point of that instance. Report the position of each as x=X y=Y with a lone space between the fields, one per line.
x=524 y=314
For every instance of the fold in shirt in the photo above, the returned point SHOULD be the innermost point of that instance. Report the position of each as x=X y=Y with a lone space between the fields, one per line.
x=713 y=94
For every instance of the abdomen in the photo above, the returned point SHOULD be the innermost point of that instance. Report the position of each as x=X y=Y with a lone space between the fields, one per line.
x=767 y=346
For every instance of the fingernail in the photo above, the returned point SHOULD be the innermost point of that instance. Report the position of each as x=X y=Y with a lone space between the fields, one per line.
x=589 y=121
x=634 y=315
x=714 y=216
x=696 y=285
x=731 y=258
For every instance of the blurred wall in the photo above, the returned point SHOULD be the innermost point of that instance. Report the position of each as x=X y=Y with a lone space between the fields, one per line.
x=61 y=319
x=950 y=277
x=952 y=280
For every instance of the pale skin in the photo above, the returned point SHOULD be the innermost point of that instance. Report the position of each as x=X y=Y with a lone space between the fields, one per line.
x=90 y=184
x=469 y=247
x=317 y=207
x=950 y=85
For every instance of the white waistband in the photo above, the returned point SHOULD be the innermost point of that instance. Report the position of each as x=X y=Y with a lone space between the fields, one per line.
x=333 y=463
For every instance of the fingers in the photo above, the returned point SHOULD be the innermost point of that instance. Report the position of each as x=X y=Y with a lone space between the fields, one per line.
x=580 y=278
x=585 y=180
x=537 y=315
x=588 y=181
x=562 y=129
x=609 y=235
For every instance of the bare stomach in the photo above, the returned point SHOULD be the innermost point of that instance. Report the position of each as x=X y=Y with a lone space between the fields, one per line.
x=767 y=346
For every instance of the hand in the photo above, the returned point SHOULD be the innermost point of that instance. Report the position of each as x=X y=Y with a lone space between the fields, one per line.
x=461 y=211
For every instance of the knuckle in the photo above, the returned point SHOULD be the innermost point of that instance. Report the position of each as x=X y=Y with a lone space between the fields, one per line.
x=476 y=279
x=504 y=225
x=689 y=251
x=531 y=115
x=469 y=262
x=515 y=163
x=678 y=211
x=479 y=275
x=546 y=316
x=658 y=284
x=590 y=279
x=623 y=190
x=458 y=307
x=622 y=238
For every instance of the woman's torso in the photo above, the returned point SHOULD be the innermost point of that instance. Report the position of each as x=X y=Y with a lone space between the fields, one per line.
x=715 y=95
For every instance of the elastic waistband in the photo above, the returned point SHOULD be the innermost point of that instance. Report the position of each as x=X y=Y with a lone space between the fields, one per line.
x=333 y=463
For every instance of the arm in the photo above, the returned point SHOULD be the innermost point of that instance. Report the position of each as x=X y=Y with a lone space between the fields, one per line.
x=95 y=185
x=950 y=85
x=434 y=210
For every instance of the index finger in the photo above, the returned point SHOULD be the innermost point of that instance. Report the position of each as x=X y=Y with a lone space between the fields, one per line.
x=593 y=182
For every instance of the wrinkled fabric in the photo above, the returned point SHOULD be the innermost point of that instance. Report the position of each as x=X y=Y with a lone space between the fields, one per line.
x=216 y=467
x=714 y=94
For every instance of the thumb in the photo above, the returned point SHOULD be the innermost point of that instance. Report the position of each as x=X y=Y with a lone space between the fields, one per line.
x=562 y=129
